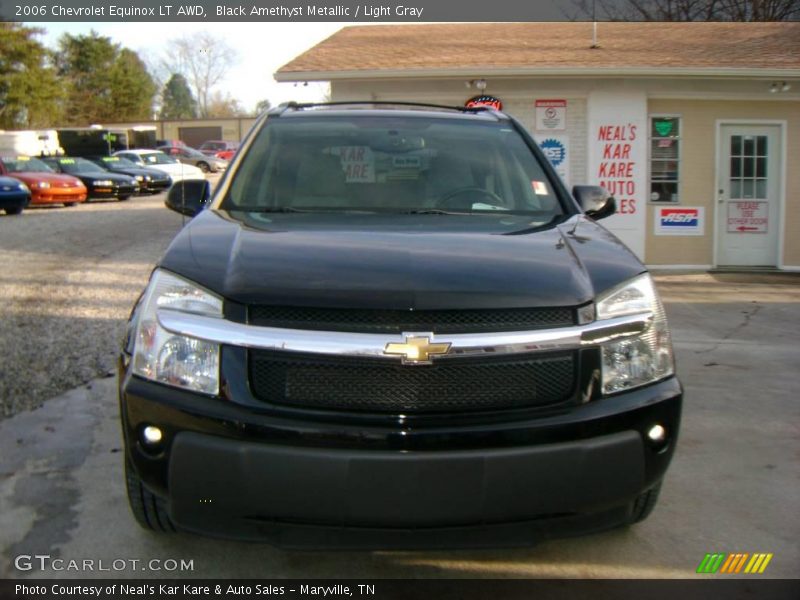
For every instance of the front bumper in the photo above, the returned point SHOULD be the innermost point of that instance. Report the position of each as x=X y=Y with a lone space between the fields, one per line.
x=14 y=200
x=114 y=191
x=55 y=195
x=231 y=472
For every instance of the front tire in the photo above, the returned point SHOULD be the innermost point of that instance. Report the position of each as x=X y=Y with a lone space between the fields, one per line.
x=149 y=510
x=204 y=167
x=123 y=198
x=14 y=210
x=69 y=204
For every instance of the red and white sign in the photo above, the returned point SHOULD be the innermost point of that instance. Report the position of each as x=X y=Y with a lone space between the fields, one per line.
x=684 y=220
x=551 y=115
x=748 y=216
x=617 y=153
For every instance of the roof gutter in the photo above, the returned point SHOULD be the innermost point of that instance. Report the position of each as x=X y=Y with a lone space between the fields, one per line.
x=652 y=72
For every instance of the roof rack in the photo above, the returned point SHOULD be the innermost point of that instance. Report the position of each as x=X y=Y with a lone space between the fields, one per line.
x=304 y=105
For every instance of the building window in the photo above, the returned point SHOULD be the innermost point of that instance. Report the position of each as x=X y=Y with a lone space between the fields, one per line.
x=665 y=142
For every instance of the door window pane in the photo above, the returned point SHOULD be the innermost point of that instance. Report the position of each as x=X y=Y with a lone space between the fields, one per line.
x=736 y=188
x=736 y=166
x=761 y=145
x=749 y=148
x=748 y=162
x=736 y=145
x=761 y=188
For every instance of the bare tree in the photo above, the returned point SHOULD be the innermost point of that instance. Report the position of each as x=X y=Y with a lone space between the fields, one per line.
x=204 y=60
x=687 y=10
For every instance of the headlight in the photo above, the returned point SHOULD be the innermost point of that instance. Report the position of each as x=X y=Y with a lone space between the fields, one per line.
x=43 y=185
x=23 y=187
x=173 y=359
x=139 y=178
x=639 y=360
x=104 y=182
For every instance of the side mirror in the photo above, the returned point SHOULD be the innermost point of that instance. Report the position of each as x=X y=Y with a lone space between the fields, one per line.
x=595 y=201
x=188 y=197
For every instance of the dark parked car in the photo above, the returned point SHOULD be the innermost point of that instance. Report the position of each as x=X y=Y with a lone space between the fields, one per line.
x=150 y=181
x=190 y=156
x=395 y=327
x=14 y=195
x=99 y=182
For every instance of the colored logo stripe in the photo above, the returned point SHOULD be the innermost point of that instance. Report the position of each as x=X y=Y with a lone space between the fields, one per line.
x=758 y=563
x=711 y=563
x=734 y=563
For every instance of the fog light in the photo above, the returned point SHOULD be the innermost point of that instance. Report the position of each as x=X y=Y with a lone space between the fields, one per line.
x=657 y=434
x=152 y=435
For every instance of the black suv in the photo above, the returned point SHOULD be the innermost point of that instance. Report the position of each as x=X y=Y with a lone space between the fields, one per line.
x=392 y=326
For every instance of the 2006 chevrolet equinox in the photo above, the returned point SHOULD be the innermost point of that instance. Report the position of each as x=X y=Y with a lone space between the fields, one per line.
x=392 y=326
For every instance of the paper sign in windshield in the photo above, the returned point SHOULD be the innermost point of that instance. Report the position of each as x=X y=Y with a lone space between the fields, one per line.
x=539 y=188
x=358 y=163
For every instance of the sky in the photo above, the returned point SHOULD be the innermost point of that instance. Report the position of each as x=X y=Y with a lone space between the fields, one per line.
x=262 y=49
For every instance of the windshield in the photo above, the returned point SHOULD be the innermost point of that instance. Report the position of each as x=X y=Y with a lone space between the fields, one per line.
x=391 y=164
x=79 y=165
x=117 y=162
x=23 y=164
x=158 y=158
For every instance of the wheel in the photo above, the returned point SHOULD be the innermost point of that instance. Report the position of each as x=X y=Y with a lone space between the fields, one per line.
x=125 y=197
x=69 y=204
x=204 y=167
x=15 y=210
x=149 y=510
x=644 y=504
x=451 y=200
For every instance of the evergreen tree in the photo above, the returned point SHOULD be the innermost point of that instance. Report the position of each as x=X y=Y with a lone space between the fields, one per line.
x=133 y=88
x=29 y=92
x=103 y=81
x=177 y=99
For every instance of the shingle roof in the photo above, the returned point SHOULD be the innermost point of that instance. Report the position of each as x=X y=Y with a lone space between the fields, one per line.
x=543 y=46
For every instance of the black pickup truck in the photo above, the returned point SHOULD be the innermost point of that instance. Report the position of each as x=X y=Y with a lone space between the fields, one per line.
x=391 y=326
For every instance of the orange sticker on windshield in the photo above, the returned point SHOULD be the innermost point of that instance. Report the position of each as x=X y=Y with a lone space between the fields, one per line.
x=539 y=188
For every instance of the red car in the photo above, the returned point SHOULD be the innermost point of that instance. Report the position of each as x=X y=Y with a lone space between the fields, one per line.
x=219 y=148
x=47 y=186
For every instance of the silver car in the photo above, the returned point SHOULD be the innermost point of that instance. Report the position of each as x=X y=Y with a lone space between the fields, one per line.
x=190 y=156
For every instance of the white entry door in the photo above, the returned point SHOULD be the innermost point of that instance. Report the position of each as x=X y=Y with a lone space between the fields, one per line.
x=748 y=195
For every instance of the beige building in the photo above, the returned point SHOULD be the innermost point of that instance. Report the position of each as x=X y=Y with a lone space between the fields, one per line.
x=695 y=128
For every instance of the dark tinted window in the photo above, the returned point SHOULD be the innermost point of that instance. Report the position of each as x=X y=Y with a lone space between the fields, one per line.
x=391 y=163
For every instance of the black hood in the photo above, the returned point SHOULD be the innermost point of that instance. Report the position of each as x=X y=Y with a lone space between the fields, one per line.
x=399 y=261
x=94 y=176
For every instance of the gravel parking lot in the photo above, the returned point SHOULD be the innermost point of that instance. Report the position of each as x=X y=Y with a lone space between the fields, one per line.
x=71 y=275
x=68 y=281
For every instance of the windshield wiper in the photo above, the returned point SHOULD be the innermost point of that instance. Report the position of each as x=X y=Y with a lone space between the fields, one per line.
x=270 y=209
x=431 y=211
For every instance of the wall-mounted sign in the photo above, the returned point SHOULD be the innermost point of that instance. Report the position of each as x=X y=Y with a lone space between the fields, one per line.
x=748 y=216
x=617 y=153
x=484 y=100
x=551 y=115
x=684 y=220
x=556 y=148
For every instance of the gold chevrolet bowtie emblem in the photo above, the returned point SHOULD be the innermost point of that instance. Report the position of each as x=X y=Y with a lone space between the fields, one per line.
x=417 y=350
